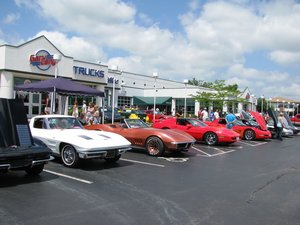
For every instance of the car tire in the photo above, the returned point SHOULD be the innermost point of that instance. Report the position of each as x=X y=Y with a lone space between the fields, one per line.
x=35 y=170
x=155 y=146
x=249 y=135
x=211 y=138
x=112 y=160
x=69 y=156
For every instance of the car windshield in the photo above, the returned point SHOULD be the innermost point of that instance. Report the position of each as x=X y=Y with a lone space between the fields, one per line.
x=196 y=123
x=133 y=123
x=64 y=123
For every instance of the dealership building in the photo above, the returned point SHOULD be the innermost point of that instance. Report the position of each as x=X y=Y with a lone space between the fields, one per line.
x=39 y=59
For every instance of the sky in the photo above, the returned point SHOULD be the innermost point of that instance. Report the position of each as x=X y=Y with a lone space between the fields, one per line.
x=252 y=43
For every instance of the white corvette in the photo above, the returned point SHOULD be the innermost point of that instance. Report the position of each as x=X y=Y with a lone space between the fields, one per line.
x=67 y=139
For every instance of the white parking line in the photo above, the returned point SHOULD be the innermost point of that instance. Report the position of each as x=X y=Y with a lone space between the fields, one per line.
x=67 y=176
x=140 y=162
x=253 y=143
x=201 y=151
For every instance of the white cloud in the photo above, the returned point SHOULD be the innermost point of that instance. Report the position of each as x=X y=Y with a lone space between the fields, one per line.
x=77 y=47
x=218 y=35
x=286 y=58
x=11 y=18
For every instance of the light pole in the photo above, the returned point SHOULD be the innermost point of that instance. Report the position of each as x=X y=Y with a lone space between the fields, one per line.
x=252 y=102
x=115 y=70
x=185 y=81
x=155 y=75
x=262 y=104
x=270 y=103
x=57 y=58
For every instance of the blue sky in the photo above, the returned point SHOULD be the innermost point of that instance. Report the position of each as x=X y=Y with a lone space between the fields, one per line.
x=252 y=43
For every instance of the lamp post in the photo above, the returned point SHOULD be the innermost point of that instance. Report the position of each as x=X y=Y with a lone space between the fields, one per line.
x=185 y=81
x=270 y=103
x=252 y=101
x=115 y=70
x=155 y=75
x=262 y=104
x=57 y=58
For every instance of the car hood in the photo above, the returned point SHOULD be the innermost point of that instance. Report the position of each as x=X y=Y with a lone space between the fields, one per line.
x=178 y=135
x=85 y=139
x=260 y=120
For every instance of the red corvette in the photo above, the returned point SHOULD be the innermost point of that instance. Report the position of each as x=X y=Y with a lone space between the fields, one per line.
x=199 y=130
x=246 y=132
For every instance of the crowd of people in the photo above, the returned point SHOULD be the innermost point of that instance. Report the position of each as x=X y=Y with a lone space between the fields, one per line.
x=89 y=114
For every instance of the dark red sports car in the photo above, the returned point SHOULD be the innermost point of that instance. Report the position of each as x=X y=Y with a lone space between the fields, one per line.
x=199 y=130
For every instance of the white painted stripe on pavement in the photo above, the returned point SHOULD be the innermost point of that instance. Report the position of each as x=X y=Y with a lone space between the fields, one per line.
x=255 y=143
x=67 y=176
x=201 y=151
x=140 y=162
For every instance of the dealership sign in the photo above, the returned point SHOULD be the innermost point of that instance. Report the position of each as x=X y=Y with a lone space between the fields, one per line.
x=88 y=71
x=42 y=60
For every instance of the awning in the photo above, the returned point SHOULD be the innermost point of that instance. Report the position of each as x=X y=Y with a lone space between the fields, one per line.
x=139 y=100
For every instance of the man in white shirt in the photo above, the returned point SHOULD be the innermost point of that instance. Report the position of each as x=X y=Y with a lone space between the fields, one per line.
x=216 y=114
x=205 y=115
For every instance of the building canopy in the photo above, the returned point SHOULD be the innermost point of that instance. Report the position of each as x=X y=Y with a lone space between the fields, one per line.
x=61 y=86
x=139 y=100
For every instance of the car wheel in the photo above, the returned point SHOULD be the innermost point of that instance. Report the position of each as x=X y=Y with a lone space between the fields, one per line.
x=211 y=138
x=112 y=160
x=249 y=135
x=69 y=156
x=35 y=170
x=155 y=146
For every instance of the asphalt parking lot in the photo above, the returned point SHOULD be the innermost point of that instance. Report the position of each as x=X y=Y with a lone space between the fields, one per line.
x=249 y=182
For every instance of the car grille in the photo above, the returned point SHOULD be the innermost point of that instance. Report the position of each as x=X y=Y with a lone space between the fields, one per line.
x=184 y=145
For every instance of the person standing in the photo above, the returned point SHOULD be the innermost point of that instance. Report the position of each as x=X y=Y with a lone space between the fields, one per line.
x=205 y=115
x=216 y=114
x=47 y=109
x=230 y=118
x=279 y=126
x=75 y=109
x=84 y=107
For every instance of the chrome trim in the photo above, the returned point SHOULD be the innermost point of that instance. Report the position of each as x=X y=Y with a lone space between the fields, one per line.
x=5 y=166
x=100 y=153
x=41 y=161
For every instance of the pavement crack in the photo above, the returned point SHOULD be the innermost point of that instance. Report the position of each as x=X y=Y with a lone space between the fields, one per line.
x=253 y=193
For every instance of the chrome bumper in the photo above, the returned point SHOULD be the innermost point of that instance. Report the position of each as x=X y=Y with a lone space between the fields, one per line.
x=102 y=153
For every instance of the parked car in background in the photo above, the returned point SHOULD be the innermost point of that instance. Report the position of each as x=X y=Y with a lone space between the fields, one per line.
x=107 y=112
x=246 y=132
x=134 y=114
x=296 y=119
x=155 y=141
x=17 y=148
x=199 y=130
x=158 y=116
x=67 y=139
x=273 y=119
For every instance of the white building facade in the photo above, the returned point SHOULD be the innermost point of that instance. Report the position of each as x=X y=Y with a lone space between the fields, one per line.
x=39 y=59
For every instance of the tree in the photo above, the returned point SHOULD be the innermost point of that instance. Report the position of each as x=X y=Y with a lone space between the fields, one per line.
x=219 y=94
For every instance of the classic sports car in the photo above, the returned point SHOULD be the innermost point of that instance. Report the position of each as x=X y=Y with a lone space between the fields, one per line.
x=65 y=136
x=140 y=135
x=17 y=148
x=246 y=132
x=199 y=130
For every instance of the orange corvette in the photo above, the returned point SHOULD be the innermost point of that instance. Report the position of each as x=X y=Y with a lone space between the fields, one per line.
x=155 y=141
